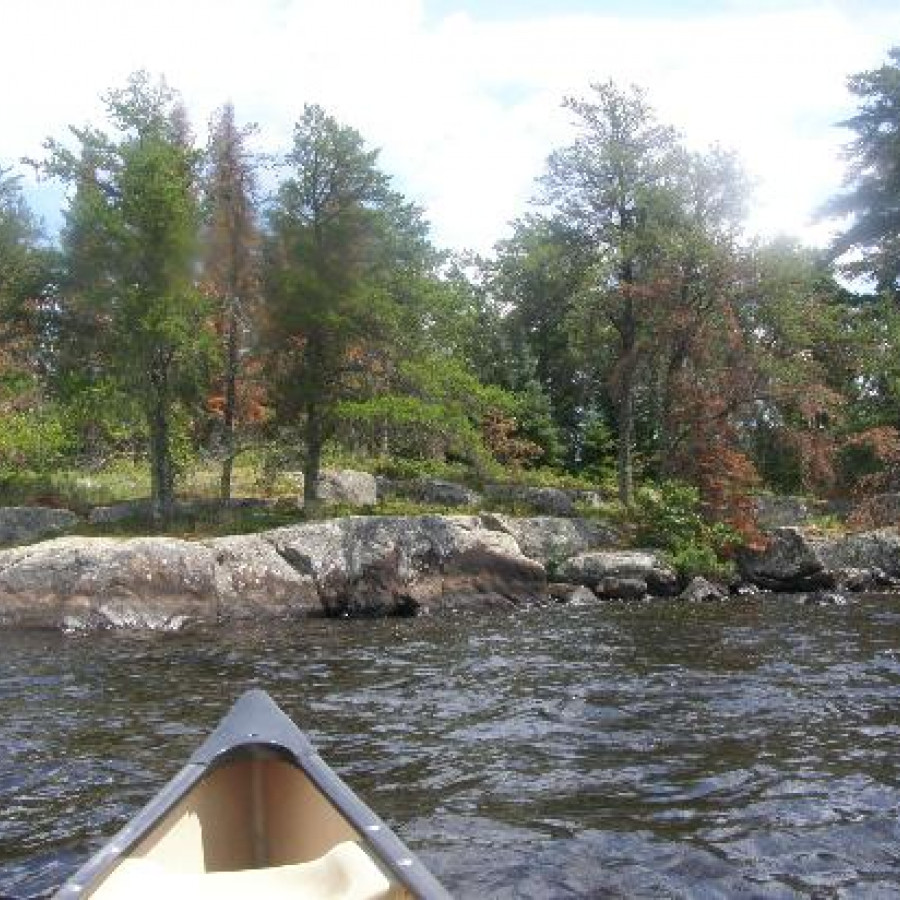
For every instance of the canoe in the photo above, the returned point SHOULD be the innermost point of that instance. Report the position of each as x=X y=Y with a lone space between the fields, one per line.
x=255 y=813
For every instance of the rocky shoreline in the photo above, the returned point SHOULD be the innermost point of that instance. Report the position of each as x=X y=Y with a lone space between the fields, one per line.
x=382 y=565
x=361 y=565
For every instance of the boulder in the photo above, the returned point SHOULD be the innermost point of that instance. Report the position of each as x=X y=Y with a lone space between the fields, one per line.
x=587 y=499
x=795 y=560
x=871 y=550
x=388 y=488
x=856 y=579
x=140 y=510
x=347 y=487
x=24 y=524
x=620 y=572
x=563 y=592
x=548 y=501
x=779 y=511
x=874 y=579
x=615 y=588
x=352 y=566
x=838 y=507
x=790 y=561
x=699 y=590
x=549 y=539
x=742 y=589
x=394 y=565
x=119 y=512
x=162 y=583
x=96 y=582
x=253 y=580
x=437 y=492
x=825 y=598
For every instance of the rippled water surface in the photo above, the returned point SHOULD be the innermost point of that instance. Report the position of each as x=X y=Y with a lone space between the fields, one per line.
x=747 y=750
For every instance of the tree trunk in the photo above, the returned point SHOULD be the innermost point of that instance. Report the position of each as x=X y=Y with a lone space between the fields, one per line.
x=661 y=413
x=162 y=471
x=625 y=456
x=162 y=484
x=627 y=327
x=225 y=481
x=666 y=392
x=315 y=441
x=231 y=373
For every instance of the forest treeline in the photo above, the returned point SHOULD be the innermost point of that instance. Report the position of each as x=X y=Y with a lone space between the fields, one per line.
x=204 y=302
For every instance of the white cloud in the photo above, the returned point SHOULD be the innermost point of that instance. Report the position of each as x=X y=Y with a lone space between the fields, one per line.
x=465 y=110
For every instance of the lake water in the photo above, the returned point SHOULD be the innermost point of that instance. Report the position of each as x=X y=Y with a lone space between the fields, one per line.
x=747 y=749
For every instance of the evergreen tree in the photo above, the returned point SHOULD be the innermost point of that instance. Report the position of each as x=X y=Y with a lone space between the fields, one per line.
x=231 y=245
x=131 y=246
x=871 y=199
x=24 y=274
x=536 y=279
x=32 y=436
x=337 y=236
x=612 y=186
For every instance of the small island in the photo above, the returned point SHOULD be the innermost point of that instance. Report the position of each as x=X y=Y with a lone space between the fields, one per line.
x=220 y=402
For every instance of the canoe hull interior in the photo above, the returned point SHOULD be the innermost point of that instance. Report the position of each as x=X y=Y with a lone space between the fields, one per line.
x=249 y=813
x=255 y=813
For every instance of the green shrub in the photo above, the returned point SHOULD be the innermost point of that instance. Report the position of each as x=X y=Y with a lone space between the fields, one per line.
x=33 y=440
x=598 y=449
x=668 y=516
x=700 y=559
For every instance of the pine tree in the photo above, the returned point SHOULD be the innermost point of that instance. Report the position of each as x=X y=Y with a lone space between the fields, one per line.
x=131 y=246
x=231 y=249
x=871 y=199
x=337 y=237
x=612 y=185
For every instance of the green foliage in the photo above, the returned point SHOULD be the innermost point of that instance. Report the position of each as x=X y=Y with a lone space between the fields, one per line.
x=22 y=262
x=400 y=468
x=102 y=418
x=130 y=312
x=871 y=199
x=525 y=340
x=438 y=409
x=819 y=366
x=26 y=270
x=597 y=452
x=33 y=440
x=401 y=507
x=417 y=427
x=870 y=371
x=344 y=257
x=701 y=559
x=827 y=524
x=650 y=227
x=668 y=516
x=533 y=415
x=623 y=327
x=200 y=524
x=858 y=460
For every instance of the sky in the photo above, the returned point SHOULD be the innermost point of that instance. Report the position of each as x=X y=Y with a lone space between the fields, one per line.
x=464 y=97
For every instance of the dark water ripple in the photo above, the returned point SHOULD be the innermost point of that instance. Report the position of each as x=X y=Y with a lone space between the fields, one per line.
x=595 y=751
